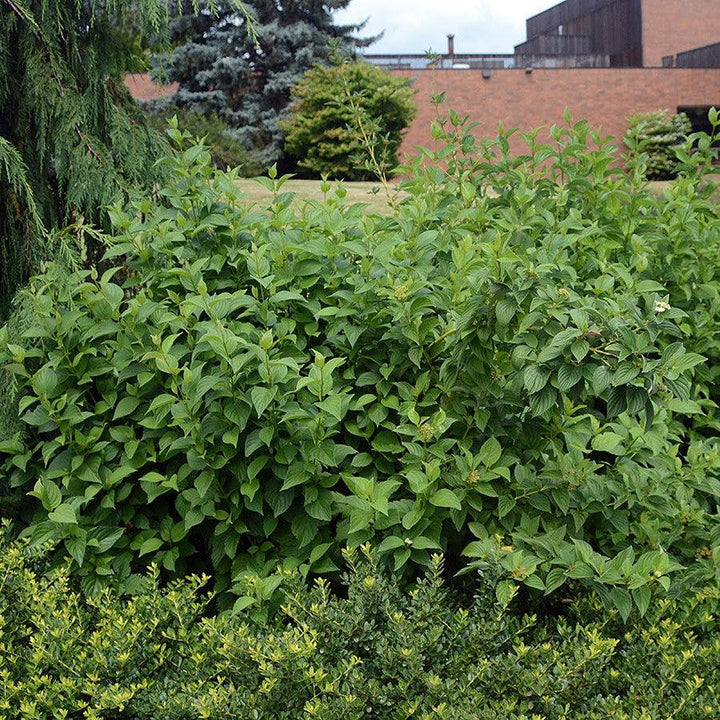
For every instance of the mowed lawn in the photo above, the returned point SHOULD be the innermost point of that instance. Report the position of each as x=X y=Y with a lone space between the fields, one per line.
x=371 y=193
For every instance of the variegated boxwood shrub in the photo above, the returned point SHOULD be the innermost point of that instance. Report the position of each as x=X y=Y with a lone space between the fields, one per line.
x=382 y=652
x=509 y=369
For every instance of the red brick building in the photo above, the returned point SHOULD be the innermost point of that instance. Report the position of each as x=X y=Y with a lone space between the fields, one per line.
x=602 y=59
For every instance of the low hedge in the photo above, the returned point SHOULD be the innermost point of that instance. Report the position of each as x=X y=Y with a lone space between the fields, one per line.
x=379 y=652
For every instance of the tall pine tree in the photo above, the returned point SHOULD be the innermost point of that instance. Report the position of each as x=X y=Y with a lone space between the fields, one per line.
x=245 y=76
x=71 y=138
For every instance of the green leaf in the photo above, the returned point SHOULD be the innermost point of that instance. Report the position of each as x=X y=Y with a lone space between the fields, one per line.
x=609 y=442
x=580 y=349
x=256 y=466
x=304 y=529
x=554 y=579
x=63 y=514
x=505 y=311
x=242 y=603
x=113 y=293
x=126 y=406
x=541 y=402
x=104 y=538
x=150 y=545
x=490 y=452
x=625 y=373
x=642 y=596
x=505 y=505
x=423 y=543
x=687 y=361
x=568 y=376
x=261 y=397
x=649 y=286
x=45 y=381
x=391 y=542
x=417 y=480
x=601 y=379
x=616 y=402
x=446 y=498
x=505 y=592
x=53 y=495
x=318 y=551
x=622 y=600
x=335 y=405
x=536 y=378
x=685 y=407
x=76 y=546
x=413 y=516
x=401 y=556
x=534 y=581
x=361 y=460
x=385 y=441
x=635 y=399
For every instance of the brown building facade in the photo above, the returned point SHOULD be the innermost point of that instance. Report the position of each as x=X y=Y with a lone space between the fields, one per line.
x=631 y=33
x=640 y=43
x=670 y=27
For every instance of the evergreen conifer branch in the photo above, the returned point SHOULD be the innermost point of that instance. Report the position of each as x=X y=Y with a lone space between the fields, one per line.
x=73 y=140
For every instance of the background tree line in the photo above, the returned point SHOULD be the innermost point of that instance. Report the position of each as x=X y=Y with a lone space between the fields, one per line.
x=73 y=141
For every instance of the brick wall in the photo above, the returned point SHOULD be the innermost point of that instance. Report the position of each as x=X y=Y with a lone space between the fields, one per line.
x=672 y=26
x=142 y=87
x=603 y=96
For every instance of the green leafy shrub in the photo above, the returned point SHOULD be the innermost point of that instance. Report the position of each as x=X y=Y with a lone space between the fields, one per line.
x=495 y=371
x=655 y=137
x=380 y=653
x=225 y=149
x=342 y=109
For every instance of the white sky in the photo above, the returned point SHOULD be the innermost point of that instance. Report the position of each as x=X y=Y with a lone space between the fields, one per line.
x=414 y=26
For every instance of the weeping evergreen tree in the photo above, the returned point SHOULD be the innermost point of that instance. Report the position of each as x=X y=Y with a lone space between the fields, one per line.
x=247 y=77
x=71 y=138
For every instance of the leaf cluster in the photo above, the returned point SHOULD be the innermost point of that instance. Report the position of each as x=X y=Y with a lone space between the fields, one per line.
x=226 y=150
x=338 y=110
x=653 y=138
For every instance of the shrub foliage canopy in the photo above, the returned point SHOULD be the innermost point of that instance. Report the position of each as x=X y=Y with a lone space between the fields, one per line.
x=658 y=135
x=382 y=653
x=511 y=367
x=342 y=109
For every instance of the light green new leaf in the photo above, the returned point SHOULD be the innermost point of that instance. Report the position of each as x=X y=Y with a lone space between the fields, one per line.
x=446 y=498
x=63 y=514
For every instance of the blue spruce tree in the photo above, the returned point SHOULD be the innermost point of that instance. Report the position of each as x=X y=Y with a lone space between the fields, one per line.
x=244 y=70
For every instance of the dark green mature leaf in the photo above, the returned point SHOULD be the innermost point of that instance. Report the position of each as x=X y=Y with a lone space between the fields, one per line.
x=261 y=398
x=446 y=498
x=536 y=377
x=568 y=375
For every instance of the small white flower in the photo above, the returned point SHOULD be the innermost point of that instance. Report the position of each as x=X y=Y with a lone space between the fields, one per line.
x=661 y=306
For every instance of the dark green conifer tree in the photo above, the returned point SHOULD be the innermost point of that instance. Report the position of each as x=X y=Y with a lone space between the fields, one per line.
x=71 y=138
x=247 y=77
